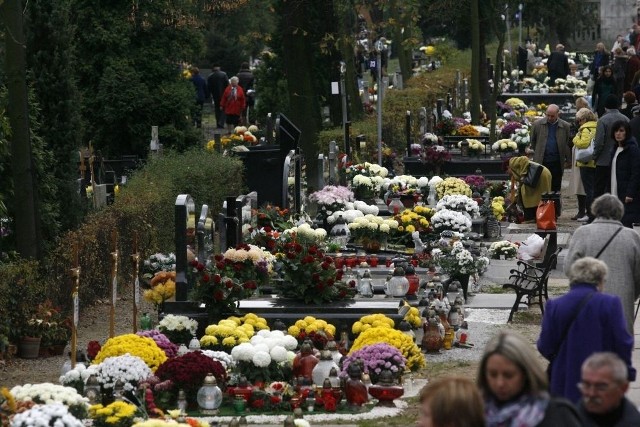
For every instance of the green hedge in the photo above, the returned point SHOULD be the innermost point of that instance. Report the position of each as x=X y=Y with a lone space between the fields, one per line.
x=144 y=206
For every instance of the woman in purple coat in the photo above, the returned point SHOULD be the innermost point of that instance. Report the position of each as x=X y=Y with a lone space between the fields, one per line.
x=582 y=322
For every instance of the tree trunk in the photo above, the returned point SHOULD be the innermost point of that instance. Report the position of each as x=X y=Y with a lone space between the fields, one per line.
x=344 y=10
x=298 y=61
x=401 y=32
x=25 y=214
x=475 y=62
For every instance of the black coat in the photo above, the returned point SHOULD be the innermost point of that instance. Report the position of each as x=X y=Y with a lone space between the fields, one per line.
x=217 y=83
x=628 y=179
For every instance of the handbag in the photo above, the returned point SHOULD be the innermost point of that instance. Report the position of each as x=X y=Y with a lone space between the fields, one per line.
x=583 y=302
x=585 y=154
x=533 y=175
x=546 y=215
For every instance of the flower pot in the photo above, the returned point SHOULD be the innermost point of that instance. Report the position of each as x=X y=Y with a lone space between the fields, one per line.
x=371 y=246
x=29 y=347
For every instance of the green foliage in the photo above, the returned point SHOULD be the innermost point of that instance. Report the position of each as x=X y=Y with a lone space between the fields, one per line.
x=144 y=207
x=21 y=290
x=51 y=64
x=272 y=84
x=135 y=81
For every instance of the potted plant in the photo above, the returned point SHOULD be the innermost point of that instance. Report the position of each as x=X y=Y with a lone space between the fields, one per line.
x=56 y=329
x=31 y=337
x=503 y=259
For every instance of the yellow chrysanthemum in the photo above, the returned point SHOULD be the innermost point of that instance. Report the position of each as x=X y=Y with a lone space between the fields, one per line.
x=143 y=347
x=309 y=320
x=229 y=341
x=208 y=340
x=293 y=330
x=404 y=343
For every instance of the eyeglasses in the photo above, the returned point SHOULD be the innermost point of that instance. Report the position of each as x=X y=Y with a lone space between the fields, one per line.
x=599 y=387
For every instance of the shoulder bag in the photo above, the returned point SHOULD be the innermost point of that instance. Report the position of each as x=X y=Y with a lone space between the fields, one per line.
x=585 y=154
x=533 y=175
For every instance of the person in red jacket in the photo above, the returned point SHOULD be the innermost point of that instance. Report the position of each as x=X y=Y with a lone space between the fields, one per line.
x=233 y=103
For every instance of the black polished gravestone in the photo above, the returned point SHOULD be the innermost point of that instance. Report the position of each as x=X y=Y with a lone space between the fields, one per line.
x=341 y=314
x=264 y=164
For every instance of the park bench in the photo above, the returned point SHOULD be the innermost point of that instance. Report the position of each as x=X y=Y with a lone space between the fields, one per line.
x=530 y=280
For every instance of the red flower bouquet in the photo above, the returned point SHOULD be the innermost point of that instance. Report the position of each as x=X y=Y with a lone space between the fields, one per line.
x=311 y=276
x=187 y=372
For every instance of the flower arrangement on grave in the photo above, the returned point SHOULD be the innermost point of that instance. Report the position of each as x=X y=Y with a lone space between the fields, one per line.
x=75 y=377
x=456 y=260
x=366 y=169
x=458 y=203
x=247 y=134
x=116 y=414
x=452 y=185
x=404 y=343
x=497 y=207
x=413 y=317
x=446 y=126
x=265 y=358
x=187 y=372
x=46 y=393
x=477 y=183
x=310 y=276
x=51 y=414
x=130 y=370
x=509 y=128
x=161 y=423
x=521 y=137
x=370 y=227
x=169 y=348
x=162 y=287
x=211 y=144
x=223 y=357
x=376 y=357
x=437 y=155
x=411 y=220
x=143 y=347
x=504 y=146
x=467 y=130
x=503 y=249
x=317 y=330
x=232 y=331
x=50 y=324
x=430 y=139
x=475 y=146
x=446 y=219
x=372 y=321
x=365 y=179
x=156 y=263
x=93 y=348
x=274 y=217
x=306 y=235
x=516 y=103
x=331 y=199
x=179 y=329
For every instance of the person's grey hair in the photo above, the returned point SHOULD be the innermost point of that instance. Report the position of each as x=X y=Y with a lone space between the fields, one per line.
x=514 y=348
x=585 y=114
x=234 y=79
x=607 y=359
x=607 y=206
x=588 y=270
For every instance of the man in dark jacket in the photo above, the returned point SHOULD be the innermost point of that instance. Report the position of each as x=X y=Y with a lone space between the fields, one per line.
x=200 y=95
x=603 y=385
x=245 y=81
x=558 y=65
x=217 y=83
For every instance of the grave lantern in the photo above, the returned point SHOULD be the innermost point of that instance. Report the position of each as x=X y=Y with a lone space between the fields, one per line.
x=464 y=148
x=209 y=396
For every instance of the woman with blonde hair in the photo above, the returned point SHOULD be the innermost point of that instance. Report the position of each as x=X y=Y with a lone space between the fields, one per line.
x=451 y=402
x=586 y=119
x=514 y=387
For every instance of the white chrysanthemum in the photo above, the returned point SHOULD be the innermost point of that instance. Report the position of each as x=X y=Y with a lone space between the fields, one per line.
x=261 y=359
x=278 y=354
x=53 y=414
x=290 y=343
x=243 y=352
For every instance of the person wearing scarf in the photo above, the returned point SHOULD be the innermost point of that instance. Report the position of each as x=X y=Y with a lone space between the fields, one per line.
x=514 y=387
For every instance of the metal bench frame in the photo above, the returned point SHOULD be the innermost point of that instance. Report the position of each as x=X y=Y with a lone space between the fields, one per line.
x=530 y=281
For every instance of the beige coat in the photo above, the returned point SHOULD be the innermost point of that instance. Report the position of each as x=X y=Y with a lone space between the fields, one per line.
x=538 y=136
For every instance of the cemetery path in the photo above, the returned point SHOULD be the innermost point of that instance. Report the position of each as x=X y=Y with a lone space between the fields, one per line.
x=93 y=325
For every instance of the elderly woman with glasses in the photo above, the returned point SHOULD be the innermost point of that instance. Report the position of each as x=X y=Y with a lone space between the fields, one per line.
x=580 y=323
x=514 y=387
